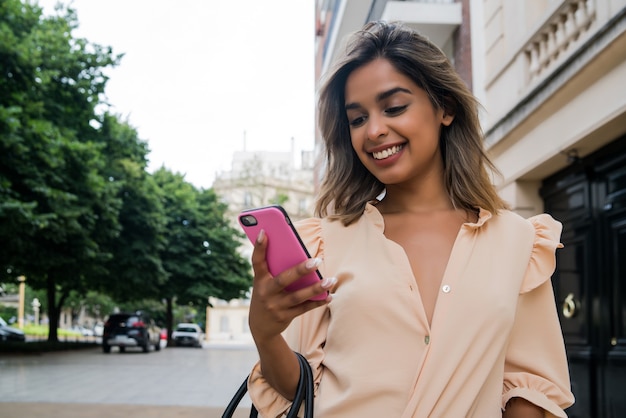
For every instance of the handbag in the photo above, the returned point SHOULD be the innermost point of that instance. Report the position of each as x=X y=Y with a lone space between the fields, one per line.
x=304 y=393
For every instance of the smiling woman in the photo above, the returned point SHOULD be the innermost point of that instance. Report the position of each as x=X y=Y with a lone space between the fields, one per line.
x=393 y=126
x=428 y=271
x=186 y=85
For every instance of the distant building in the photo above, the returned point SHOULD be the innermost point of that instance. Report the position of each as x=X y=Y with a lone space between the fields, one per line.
x=9 y=300
x=228 y=321
x=260 y=178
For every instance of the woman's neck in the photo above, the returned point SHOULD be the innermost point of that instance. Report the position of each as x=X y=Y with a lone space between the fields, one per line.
x=400 y=198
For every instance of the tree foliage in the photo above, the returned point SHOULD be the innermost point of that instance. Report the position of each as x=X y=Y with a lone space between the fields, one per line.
x=201 y=257
x=78 y=210
x=60 y=206
x=135 y=263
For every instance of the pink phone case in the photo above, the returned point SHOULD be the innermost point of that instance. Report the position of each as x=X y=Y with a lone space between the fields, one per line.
x=284 y=246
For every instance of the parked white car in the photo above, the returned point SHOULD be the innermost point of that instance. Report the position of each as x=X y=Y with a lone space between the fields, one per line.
x=186 y=334
x=98 y=329
x=85 y=332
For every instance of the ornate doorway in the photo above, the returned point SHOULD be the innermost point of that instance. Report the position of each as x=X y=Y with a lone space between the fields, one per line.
x=589 y=198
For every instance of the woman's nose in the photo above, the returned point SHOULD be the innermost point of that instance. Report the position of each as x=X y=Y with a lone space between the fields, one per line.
x=376 y=128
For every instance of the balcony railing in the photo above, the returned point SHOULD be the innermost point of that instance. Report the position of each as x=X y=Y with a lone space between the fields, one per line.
x=558 y=36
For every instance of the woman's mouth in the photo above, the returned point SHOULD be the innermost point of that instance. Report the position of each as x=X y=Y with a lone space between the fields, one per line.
x=386 y=153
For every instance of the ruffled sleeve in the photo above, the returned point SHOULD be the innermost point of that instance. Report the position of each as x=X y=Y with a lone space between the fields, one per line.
x=310 y=231
x=536 y=364
x=542 y=259
x=306 y=334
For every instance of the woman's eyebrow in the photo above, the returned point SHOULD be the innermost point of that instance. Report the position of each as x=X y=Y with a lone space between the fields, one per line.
x=389 y=93
x=380 y=96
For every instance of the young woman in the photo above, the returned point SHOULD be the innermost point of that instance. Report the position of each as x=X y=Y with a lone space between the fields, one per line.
x=440 y=301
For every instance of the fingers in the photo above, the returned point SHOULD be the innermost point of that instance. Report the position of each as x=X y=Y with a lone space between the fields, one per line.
x=267 y=285
x=272 y=307
x=285 y=278
x=291 y=275
x=316 y=294
x=258 y=255
x=308 y=305
x=300 y=276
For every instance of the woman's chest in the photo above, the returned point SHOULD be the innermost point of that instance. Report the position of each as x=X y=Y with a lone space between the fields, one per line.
x=479 y=283
x=427 y=242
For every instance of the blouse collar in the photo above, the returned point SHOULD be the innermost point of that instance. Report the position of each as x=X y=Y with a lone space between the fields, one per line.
x=373 y=214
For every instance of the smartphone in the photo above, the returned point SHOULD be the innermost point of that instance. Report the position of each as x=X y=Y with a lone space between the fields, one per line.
x=284 y=246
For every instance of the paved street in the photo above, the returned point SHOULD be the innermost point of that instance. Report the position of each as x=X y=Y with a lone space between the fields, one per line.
x=174 y=382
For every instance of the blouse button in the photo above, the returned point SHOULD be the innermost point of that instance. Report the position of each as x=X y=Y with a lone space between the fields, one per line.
x=446 y=288
x=427 y=339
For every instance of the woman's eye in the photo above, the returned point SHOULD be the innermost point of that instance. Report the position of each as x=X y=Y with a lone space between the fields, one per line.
x=395 y=110
x=357 y=121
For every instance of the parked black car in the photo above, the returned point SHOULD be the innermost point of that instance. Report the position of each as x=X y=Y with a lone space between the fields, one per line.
x=130 y=330
x=9 y=334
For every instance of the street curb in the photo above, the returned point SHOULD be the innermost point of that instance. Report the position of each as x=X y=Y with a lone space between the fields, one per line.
x=86 y=410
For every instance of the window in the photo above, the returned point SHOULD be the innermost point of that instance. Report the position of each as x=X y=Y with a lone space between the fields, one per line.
x=224 y=324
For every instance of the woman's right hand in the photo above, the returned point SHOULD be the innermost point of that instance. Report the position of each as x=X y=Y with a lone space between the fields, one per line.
x=272 y=308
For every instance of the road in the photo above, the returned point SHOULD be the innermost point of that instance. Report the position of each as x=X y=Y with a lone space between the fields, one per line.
x=173 y=382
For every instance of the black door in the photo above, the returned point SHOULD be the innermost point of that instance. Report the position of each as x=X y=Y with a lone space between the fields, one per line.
x=589 y=198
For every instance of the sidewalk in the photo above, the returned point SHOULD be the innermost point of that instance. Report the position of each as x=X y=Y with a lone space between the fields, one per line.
x=76 y=410
x=174 y=382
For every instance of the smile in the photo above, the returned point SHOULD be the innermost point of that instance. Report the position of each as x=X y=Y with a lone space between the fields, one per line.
x=386 y=153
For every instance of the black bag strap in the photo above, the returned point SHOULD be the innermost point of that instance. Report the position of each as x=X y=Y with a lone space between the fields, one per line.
x=234 y=402
x=308 y=386
x=304 y=392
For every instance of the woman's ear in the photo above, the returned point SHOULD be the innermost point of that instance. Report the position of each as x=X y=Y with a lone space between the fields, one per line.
x=448 y=112
x=447 y=118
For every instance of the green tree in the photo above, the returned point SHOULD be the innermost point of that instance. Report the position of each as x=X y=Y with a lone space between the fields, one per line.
x=135 y=266
x=56 y=207
x=98 y=305
x=76 y=204
x=201 y=257
x=227 y=269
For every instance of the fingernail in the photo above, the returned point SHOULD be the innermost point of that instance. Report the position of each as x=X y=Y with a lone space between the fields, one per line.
x=329 y=282
x=313 y=262
x=259 y=237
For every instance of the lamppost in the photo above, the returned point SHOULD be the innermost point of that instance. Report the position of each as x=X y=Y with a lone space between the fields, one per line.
x=206 y=320
x=20 y=308
x=36 y=305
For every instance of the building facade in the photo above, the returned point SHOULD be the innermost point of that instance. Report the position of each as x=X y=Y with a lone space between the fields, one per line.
x=555 y=92
x=260 y=178
x=551 y=76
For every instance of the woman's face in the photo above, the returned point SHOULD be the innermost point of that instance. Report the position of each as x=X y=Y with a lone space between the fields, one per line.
x=394 y=128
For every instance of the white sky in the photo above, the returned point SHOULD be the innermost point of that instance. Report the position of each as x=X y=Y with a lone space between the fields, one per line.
x=197 y=74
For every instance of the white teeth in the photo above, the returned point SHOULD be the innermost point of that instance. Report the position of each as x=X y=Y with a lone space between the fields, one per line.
x=381 y=155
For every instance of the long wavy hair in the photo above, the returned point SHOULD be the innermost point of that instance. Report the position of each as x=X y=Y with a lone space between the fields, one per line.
x=347 y=185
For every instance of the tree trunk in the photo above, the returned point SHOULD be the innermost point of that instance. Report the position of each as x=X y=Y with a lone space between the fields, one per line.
x=169 y=319
x=54 y=307
x=53 y=311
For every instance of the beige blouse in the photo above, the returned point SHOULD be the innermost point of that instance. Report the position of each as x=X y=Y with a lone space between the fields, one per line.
x=495 y=332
